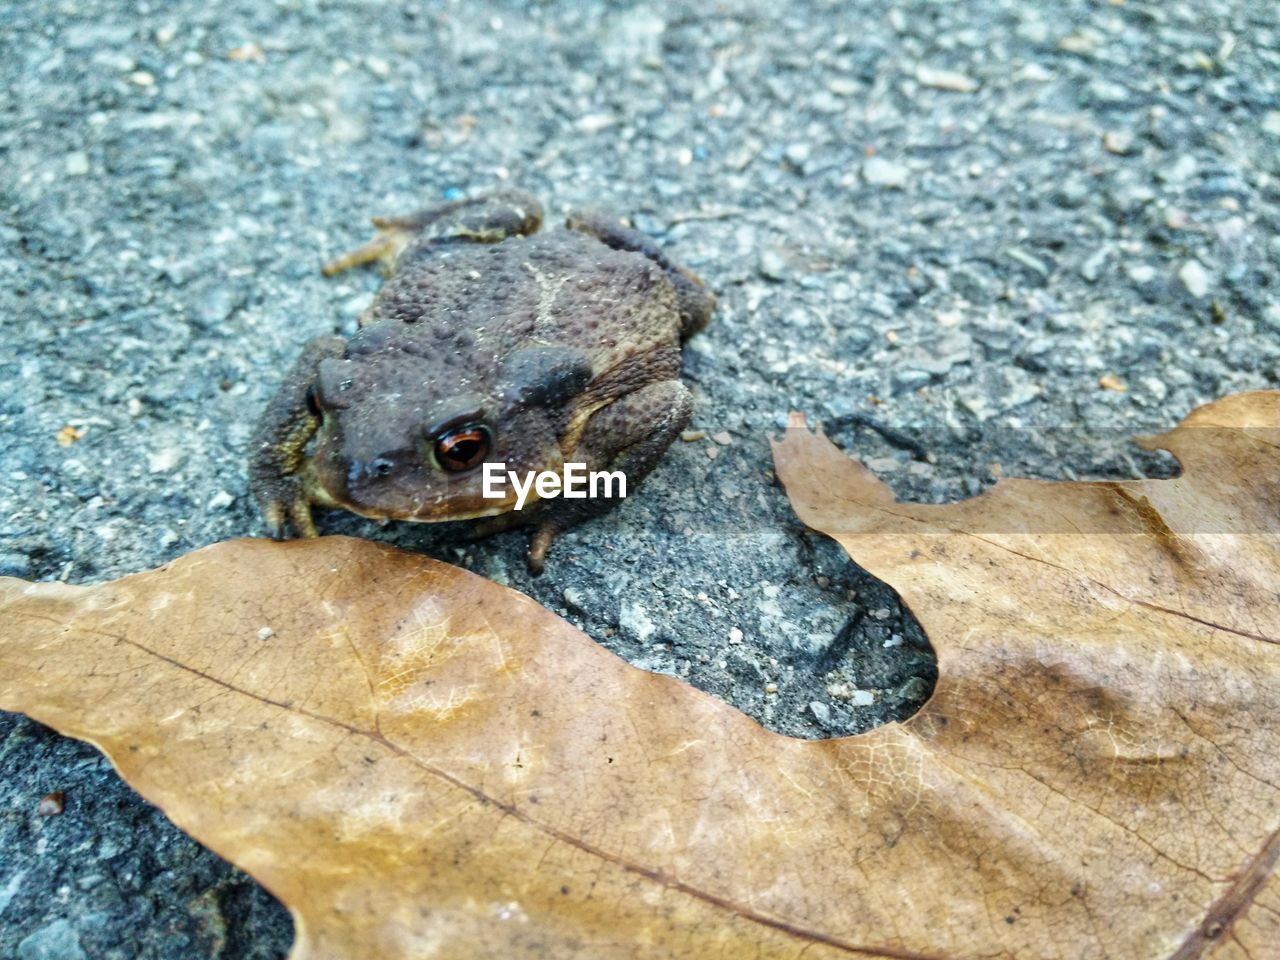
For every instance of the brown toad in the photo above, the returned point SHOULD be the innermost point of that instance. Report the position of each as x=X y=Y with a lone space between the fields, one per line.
x=489 y=342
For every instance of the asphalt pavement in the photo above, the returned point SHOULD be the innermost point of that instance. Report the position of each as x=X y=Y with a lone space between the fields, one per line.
x=969 y=240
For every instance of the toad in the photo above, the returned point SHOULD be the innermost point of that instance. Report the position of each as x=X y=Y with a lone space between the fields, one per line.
x=489 y=342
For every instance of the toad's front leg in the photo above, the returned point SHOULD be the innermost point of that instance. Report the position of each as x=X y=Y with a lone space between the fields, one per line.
x=280 y=442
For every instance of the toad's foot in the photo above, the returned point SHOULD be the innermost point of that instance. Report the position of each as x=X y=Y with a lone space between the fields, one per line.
x=288 y=507
x=385 y=248
x=487 y=219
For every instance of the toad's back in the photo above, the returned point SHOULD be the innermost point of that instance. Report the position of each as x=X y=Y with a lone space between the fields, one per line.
x=483 y=301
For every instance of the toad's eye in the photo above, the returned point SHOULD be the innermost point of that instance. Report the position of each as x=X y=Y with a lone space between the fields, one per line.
x=463 y=447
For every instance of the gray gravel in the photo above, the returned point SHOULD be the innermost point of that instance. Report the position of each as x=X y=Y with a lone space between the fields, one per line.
x=967 y=238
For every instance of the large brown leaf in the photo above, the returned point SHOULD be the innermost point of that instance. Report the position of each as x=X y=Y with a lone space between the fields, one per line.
x=421 y=763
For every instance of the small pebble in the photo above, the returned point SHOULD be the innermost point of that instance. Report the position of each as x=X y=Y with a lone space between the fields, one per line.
x=634 y=620
x=1109 y=381
x=56 y=941
x=251 y=51
x=1194 y=278
x=266 y=633
x=1034 y=264
x=882 y=173
x=69 y=435
x=862 y=698
x=1180 y=171
x=1119 y=142
x=1271 y=123
x=163 y=461
x=1230 y=229
x=1091 y=269
x=141 y=78
x=77 y=163
x=115 y=61
x=770 y=608
x=772 y=265
x=735 y=635
x=595 y=122
x=945 y=80
x=796 y=154
x=770 y=688
x=724 y=438
x=821 y=712
x=573 y=599
x=220 y=501
x=883 y=464
x=52 y=804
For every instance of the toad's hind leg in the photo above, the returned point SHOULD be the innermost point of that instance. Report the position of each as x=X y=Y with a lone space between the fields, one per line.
x=628 y=436
x=486 y=219
x=695 y=302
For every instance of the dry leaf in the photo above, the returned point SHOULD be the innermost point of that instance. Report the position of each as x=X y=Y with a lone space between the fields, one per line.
x=422 y=763
x=1107 y=715
x=251 y=51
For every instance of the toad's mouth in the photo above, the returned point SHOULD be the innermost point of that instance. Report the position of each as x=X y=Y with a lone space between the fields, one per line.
x=410 y=508
x=442 y=514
